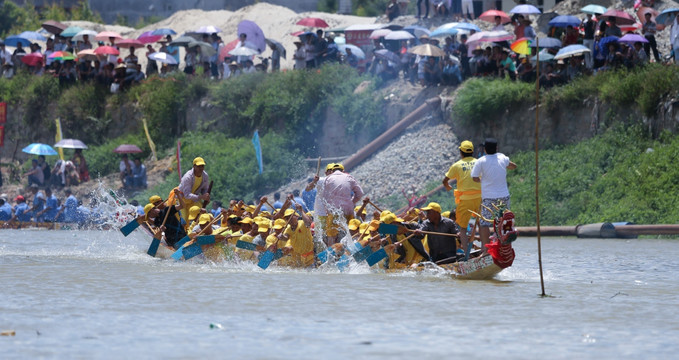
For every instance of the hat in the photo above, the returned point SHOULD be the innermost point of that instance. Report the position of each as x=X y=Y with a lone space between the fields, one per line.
x=279 y=224
x=266 y=214
x=445 y=214
x=389 y=218
x=121 y=66
x=148 y=208
x=363 y=226
x=433 y=206
x=19 y=198
x=247 y=220
x=193 y=212
x=490 y=141
x=250 y=208
x=288 y=212
x=338 y=166
x=329 y=166
x=204 y=219
x=374 y=225
x=354 y=224
x=233 y=63
x=263 y=225
x=154 y=199
x=467 y=146
x=359 y=208
x=198 y=161
x=3 y=197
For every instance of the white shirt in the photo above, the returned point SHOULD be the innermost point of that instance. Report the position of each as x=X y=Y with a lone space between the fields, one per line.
x=123 y=167
x=492 y=169
x=300 y=56
x=6 y=56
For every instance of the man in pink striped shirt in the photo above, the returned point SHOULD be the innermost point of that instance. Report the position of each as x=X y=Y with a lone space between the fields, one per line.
x=340 y=193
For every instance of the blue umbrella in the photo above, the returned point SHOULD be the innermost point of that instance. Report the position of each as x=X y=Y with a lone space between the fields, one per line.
x=603 y=44
x=304 y=34
x=525 y=9
x=71 y=31
x=666 y=16
x=570 y=51
x=444 y=31
x=33 y=36
x=39 y=149
x=15 y=39
x=163 y=31
x=565 y=20
x=418 y=31
x=547 y=43
x=467 y=26
x=593 y=9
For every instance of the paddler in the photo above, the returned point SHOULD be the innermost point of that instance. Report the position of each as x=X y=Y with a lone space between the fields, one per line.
x=194 y=186
x=405 y=253
x=468 y=192
x=300 y=239
x=440 y=246
x=173 y=228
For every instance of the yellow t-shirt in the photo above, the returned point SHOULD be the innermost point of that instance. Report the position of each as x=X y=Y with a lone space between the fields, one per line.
x=246 y=254
x=302 y=242
x=197 y=181
x=461 y=172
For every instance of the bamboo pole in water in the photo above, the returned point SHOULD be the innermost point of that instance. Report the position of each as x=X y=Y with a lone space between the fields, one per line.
x=537 y=188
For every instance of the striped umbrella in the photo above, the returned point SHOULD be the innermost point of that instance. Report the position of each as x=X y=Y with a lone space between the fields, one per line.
x=521 y=46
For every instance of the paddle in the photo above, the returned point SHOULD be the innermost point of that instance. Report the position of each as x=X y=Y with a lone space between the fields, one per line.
x=470 y=240
x=268 y=256
x=131 y=226
x=380 y=254
x=155 y=243
x=389 y=229
x=318 y=167
x=209 y=190
x=375 y=206
x=153 y=248
x=177 y=255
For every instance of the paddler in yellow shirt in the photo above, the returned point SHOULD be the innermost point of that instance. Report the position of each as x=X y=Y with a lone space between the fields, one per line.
x=299 y=237
x=194 y=186
x=468 y=192
x=277 y=241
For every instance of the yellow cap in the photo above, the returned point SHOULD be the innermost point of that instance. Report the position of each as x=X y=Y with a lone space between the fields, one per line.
x=362 y=227
x=329 y=166
x=263 y=226
x=198 y=161
x=193 y=212
x=288 y=212
x=338 y=166
x=433 y=206
x=266 y=214
x=247 y=220
x=390 y=218
x=445 y=214
x=148 y=208
x=154 y=199
x=279 y=224
x=204 y=219
x=250 y=208
x=374 y=225
x=467 y=146
x=359 y=208
x=354 y=224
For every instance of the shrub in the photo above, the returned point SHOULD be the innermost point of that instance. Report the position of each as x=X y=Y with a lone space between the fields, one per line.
x=81 y=109
x=480 y=99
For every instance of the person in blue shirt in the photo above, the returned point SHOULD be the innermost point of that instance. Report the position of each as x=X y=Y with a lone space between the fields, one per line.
x=298 y=200
x=70 y=207
x=49 y=213
x=309 y=196
x=5 y=208
x=38 y=203
x=139 y=175
x=216 y=208
x=20 y=210
x=277 y=200
x=83 y=214
x=139 y=208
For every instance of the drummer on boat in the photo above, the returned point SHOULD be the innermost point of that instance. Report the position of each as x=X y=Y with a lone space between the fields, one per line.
x=194 y=185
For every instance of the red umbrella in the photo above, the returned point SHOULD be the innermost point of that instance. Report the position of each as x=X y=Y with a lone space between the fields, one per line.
x=147 y=37
x=313 y=22
x=298 y=33
x=491 y=14
x=224 y=52
x=32 y=59
x=129 y=43
x=106 y=50
x=127 y=149
x=54 y=27
x=641 y=14
x=621 y=17
x=105 y=35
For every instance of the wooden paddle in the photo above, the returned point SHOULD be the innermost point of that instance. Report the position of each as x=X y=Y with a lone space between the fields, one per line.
x=389 y=229
x=318 y=167
x=187 y=242
x=470 y=240
x=375 y=206
x=209 y=190
x=380 y=254
x=268 y=256
x=158 y=235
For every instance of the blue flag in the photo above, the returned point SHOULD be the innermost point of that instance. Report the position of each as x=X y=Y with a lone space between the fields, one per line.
x=258 y=150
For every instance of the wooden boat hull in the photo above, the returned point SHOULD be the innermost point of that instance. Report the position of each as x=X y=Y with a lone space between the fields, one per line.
x=480 y=268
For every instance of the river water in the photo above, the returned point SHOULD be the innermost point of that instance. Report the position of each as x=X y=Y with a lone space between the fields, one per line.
x=96 y=294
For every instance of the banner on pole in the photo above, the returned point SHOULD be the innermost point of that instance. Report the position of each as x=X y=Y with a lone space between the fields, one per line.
x=3 y=113
x=2 y=136
x=258 y=150
x=152 y=145
x=58 y=136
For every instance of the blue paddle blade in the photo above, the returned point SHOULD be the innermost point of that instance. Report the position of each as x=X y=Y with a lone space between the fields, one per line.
x=358 y=246
x=129 y=227
x=246 y=245
x=153 y=248
x=205 y=239
x=177 y=255
x=191 y=251
x=388 y=229
x=181 y=242
x=343 y=262
x=278 y=254
x=376 y=257
x=324 y=255
x=362 y=254
x=265 y=259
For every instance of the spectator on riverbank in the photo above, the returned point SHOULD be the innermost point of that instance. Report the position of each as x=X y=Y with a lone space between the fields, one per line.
x=35 y=175
x=81 y=165
x=126 y=168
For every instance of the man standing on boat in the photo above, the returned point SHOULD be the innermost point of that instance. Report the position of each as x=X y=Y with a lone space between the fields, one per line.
x=339 y=194
x=468 y=192
x=491 y=171
x=194 y=186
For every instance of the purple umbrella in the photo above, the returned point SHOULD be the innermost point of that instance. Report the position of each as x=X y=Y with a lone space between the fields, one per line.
x=632 y=38
x=127 y=149
x=254 y=33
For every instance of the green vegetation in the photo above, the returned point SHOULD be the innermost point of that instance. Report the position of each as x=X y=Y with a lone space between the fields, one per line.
x=480 y=100
x=15 y=19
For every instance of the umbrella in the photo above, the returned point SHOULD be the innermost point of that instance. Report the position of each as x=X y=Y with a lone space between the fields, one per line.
x=632 y=38
x=224 y=52
x=387 y=55
x=71 y=144
x=33 y=36
x=467 y=26
x=32 y=59
x=521 y=46
x=127 y=149
x=105 y=35
x=163 y=32
x=182 y=41
x=16 y=39
x=106 y=50
x=39 y=149
x=491 y=36
x=87 y=54
x=354 y=50
x=491 y=14
x=209 y=29
x=565 y=20
x=54 y=27
x=147 y=38
x=206 y=49
x=418 y=31
x=129 y=43
x=71 y=31
x=399 y=35
x=633 y=27
x=525 y=9
x=254 y=33
x=570 y=51
x=593 y=9
x=304 y=34
x=62 y=55
x=622 y=18
x=243 y=51
x=79 y=36
x=544 y=56
x=278 y=46
x=297 y=33
x=313 y=22
x=427 y=50
x=379 y=33
x=340 y=40
x=164 y=58
x=547 y=42
x=666 y=16
x=445 y=30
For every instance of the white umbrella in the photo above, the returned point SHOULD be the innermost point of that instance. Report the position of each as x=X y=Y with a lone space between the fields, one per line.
x=163 y=57
x=243 y=51
x=354 y=50
x=79 y=35
x=208 y=30
x=278 y=46
x=570 y=51
x=399 y=35
x=71 y=144
x=379 y=33
x=491 y=36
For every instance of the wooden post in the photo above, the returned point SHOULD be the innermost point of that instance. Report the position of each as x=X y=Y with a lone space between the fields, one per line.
x=537 y=189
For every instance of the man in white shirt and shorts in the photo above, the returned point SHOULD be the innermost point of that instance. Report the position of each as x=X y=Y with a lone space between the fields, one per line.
x=491 y=171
